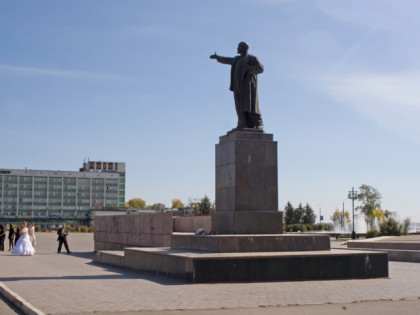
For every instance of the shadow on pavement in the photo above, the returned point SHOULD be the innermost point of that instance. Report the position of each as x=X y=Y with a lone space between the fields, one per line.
x=144 y=275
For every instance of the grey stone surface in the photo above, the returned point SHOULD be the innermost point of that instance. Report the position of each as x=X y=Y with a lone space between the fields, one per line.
x=247 y=222
x=92 y=288
x=202 y=267
x=246 y=172
x=251 y=243
x=191 y=224
x=399 y=248
x=143 y=229
x=409 y=242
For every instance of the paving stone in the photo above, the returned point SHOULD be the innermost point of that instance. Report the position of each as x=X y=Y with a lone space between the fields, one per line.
x=42 y=279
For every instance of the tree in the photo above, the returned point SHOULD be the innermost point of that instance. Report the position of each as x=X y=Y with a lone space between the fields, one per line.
x=177 y=203
x=337 y=217
x=379 y=215
x=298 y=214
x=288 y=213
x=136 y=203
x=308 y=216
x=155 y=206
x=371 y=200
x=206 y=207
x=339 y=220
x=391 y=225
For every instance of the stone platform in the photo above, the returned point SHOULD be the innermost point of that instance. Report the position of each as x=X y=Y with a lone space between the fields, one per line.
x=399 y=248
x=202 y=267
x=250 y=243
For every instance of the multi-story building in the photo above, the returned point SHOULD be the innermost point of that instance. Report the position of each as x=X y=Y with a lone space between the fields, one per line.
x=39 y=194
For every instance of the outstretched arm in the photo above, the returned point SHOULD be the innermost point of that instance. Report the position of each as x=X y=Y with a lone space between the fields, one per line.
x=224 y=60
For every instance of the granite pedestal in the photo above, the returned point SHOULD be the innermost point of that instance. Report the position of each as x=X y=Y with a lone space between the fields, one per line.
x=246 y=184
x=249 y=244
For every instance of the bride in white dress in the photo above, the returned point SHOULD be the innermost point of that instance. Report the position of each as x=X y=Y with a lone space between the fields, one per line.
x=24 y=245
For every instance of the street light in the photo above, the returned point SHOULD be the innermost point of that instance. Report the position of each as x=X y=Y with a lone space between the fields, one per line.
x=320 y=215
x=343 y=221
x=352 y=196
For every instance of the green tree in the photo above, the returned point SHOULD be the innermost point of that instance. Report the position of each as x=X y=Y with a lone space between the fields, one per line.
x=371 y=200
x=136 y=203
x=206 y=207
x=288 y=213
x=177 y=203
x=392 y=226
x=298 y=214
x=308 y=216
x=155 y=206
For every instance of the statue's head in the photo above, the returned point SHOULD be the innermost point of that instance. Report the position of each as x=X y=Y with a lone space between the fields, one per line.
x=243 y=47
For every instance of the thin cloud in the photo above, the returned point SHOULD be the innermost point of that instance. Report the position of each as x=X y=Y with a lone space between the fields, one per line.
x=72 y=74
x=391 y=101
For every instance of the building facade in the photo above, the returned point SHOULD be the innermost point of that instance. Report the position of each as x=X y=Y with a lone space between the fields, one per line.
x=46 y=194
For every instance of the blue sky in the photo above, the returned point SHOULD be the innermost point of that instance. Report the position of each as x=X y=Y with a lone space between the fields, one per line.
x=132 y=81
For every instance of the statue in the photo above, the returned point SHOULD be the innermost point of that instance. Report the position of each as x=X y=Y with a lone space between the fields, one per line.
x=243 y=83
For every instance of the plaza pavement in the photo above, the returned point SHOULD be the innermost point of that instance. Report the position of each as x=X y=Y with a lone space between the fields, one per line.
x=62 y=284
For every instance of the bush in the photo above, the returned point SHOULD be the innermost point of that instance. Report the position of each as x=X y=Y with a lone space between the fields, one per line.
x=308 y=227
x=44 y=229
x=294 y=227
x=90 y=229
x=83 y=229
x=37 y=228
x=373 y=233
x=70 y=228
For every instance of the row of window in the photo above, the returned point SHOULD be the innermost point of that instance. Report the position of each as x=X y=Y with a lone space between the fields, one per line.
x=70 y=180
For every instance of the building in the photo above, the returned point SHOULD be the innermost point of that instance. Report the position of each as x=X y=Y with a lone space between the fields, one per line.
x=45 y=195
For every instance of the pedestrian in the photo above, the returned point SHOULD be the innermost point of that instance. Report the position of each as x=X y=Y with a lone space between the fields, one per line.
x=17 y=233
x=62 y=238
x=2 y=236
x=11 y=236
x=31 y=232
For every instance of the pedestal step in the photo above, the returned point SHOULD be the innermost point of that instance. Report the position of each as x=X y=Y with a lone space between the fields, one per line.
x=201 y=267
x=250 y=243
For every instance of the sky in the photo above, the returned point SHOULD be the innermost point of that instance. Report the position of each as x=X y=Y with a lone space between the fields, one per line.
x=131 y=81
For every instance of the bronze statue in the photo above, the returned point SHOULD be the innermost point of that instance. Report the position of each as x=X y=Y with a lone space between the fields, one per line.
x=243 y=83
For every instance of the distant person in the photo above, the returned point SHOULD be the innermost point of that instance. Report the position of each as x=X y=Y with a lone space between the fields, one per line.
x=31 y=232
x=24 y=246
x=62 y=238
x=17 y=233
x=11 y=236
x=2 y=236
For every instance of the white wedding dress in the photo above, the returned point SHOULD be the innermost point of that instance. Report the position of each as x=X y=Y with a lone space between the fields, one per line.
x=24 y=245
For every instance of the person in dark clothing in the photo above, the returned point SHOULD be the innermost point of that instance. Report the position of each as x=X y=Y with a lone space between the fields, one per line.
x=11 y=236
x=17 y=233
x=62 y=238
x=2 y=236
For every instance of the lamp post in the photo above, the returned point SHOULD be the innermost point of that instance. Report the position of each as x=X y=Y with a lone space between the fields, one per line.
x=343 y=218
x=320 y=215
x=352 y=195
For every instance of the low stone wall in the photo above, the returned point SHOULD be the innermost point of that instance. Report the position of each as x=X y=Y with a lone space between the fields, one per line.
x=191 y=224
x=133 y=230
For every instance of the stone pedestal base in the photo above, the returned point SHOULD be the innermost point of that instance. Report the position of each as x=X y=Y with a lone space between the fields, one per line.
x=250 y=243
x=246 y=172
x=201 y=267
x=247 y=222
